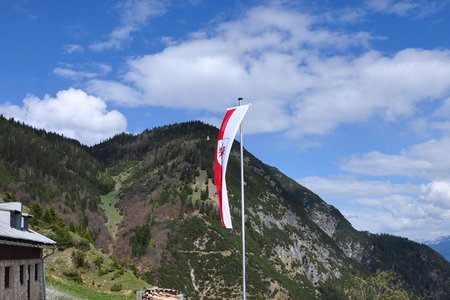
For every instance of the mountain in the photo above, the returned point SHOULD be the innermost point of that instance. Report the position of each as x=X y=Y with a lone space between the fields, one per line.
x=441 y=245
x=36 y=165
x=155 y=198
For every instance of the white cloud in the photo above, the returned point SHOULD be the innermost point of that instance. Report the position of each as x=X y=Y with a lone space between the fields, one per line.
x=282 y=58
x=352 y=188
x=263 y=37
x=73 y=48
x=413 y=8
x=437 y=193
x=72 y=74
x=352 y=90
x=417 y=228
x=134 y=14
x=251 y=58
x=86 y=71
x=72 y=113
x=345 y=15
x=417 y=211
x=429 y=160
x=393 y=6
x=115 y=91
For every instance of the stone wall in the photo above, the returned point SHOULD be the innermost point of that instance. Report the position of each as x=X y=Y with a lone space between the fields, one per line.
x=25 y=284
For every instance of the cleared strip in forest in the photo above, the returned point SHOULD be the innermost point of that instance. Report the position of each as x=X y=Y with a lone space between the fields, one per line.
x=109 y=206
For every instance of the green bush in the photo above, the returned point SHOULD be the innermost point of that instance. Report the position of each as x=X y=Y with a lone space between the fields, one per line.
x=62 y=237
x=104 y=271
x=78 y=258
x=73 y=275
x=98 y=261
x=140 y=240
x=117 y=287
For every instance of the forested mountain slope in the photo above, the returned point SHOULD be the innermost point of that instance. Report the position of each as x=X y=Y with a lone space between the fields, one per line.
x=298 y=246
x=54 y=171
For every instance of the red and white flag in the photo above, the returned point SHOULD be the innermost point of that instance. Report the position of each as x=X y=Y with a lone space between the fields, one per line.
x=228 y=129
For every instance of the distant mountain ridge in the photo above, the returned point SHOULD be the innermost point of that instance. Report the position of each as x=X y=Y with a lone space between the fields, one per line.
x=441 y=245
x=298 y=246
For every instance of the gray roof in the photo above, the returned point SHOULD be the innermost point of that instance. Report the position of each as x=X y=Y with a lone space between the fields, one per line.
x=11 y=206
x=19 y=235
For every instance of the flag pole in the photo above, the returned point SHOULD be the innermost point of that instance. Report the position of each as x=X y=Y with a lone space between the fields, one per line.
x=244 y=296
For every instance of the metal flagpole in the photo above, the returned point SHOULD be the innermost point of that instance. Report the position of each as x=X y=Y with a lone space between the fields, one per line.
x=244 y=296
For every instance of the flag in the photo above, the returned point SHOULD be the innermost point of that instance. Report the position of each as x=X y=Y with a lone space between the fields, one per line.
x=228 y=129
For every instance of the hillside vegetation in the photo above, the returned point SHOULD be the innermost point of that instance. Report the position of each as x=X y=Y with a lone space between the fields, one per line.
x=147 y=202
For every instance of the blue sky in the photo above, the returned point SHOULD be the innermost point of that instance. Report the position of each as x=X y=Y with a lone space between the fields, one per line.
x=350 y=98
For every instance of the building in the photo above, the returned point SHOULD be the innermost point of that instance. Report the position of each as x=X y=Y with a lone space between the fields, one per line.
x=22 y=269
x=159 y=294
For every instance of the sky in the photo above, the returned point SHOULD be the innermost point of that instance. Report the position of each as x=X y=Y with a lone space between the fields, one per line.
x=349 y=98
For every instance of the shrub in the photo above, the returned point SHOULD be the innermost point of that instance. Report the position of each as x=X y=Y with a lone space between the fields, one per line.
x=140 y=240
x=78 y=258
x=98 y=261
x=62 y=237
x=117 y=287
x=73 y=275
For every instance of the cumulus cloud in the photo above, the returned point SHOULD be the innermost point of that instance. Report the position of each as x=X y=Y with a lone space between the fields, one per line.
x=250 y=57
x=418 y=211
x=280 y=57
x=72 y=113
x=115 y=91
x=434 y=222
x=352 y=90
x=437 y=193
x=428 y=160
x=133 y=15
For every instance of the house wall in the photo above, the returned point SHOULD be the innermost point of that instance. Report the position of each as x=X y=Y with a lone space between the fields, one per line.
x=19 y=252
x=31 y=287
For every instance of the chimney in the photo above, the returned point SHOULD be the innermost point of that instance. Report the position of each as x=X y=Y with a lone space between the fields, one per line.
x=16 y=219
x=26 y=221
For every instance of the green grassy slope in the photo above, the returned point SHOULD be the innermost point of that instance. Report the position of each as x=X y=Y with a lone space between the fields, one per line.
x=109 y=205
x=98 y=276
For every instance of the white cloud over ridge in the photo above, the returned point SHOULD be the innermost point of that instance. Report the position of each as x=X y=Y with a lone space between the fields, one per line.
x=281 y=60
x=419 y=211
x=72 y=113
